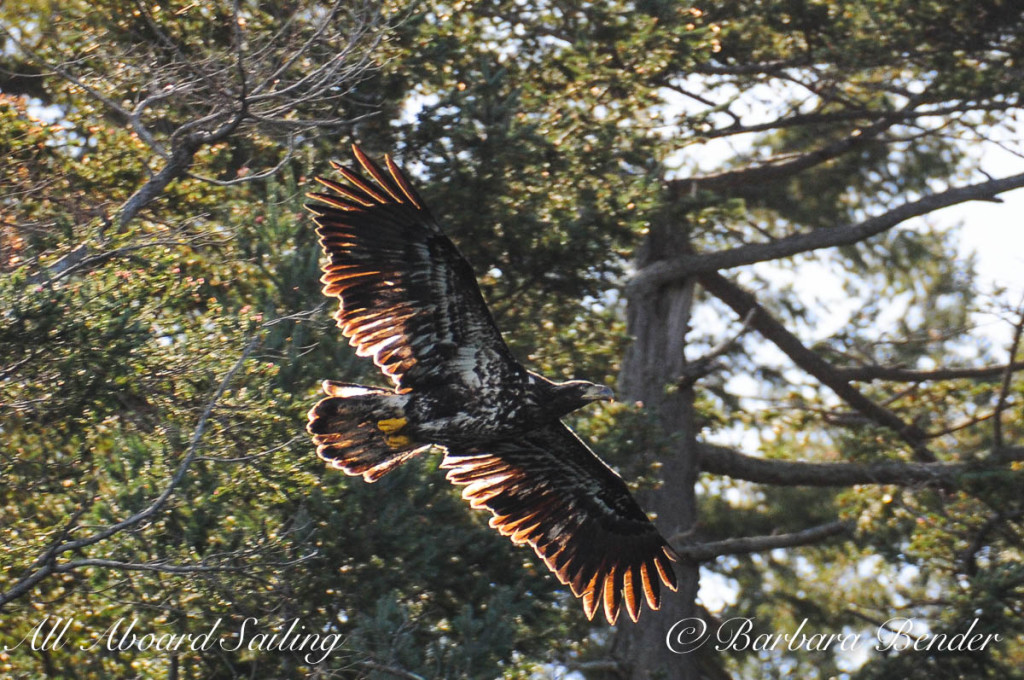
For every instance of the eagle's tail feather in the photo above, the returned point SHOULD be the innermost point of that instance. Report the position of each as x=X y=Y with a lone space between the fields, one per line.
x=359 y=430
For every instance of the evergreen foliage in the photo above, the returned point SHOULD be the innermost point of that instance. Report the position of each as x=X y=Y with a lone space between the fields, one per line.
x=162 y=331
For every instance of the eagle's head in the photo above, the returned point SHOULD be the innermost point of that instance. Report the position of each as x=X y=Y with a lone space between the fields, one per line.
x=573 y=394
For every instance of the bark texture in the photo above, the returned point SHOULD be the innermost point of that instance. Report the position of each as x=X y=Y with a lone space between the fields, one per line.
x=658 y=319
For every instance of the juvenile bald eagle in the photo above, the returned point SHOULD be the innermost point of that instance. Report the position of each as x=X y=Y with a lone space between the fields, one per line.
x=410 y=301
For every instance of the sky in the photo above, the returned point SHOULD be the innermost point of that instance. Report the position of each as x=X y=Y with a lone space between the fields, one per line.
x=993 y=232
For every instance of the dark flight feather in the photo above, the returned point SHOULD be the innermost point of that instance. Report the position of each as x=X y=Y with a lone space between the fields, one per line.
x=408 y=298
x=549 y=490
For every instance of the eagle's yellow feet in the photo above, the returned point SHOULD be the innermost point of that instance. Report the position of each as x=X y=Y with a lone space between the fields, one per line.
x=397 y=441
x=389 y=425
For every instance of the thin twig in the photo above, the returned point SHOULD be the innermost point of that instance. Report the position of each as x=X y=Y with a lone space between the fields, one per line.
x=703 y=365
x=391 y=670
x=289 y=152
x=46 y=563
x=253 y=456
x=997 y=424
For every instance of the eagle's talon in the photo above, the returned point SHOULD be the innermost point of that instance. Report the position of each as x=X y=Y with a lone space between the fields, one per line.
x=389 y=425
x=397 y=441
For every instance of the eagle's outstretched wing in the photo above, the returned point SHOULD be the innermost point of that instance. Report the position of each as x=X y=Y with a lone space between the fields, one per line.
x=408 y=298
x=551 y=491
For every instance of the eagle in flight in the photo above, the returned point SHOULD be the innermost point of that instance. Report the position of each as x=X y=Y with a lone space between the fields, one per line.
x=410 y=301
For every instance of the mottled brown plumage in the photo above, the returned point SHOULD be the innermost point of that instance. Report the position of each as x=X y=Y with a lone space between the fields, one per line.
x=410 y=301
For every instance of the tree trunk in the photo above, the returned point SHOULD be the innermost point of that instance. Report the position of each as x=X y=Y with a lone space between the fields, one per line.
x=658 y=321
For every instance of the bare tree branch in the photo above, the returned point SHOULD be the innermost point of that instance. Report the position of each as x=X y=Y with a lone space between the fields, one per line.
x=997 y=424
x=136 y=119
x=254 y=456
x=962 y=425
x=80 y=258
x=46 y=564
x=177 y=164
x=775 y=171
x=269 y=172
x=225 y=89
x=43 y=565
x=743 y=303
x=798 y=120
x=166 y=568
x=763 y=68
x=663 y=272
x=705 y=552
x=898 y=374
x=112 y=106
x=720 y=460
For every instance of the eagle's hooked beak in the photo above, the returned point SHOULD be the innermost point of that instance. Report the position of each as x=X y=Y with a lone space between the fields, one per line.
x=599 y=393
